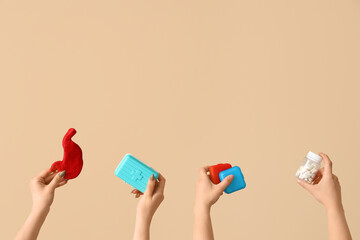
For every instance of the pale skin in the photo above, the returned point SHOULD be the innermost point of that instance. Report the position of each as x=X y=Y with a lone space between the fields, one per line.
x=147 y=206
x=327 y=191
x=43 y=191
x=207 y=194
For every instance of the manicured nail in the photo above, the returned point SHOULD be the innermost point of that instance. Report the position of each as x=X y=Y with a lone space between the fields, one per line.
x=62 y=174
x=152 y=178
x=132 y=191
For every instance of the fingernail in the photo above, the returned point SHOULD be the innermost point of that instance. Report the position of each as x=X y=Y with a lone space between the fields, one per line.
x=62 y=174
x=231 y=176
x=132 y=191
x=152 y=178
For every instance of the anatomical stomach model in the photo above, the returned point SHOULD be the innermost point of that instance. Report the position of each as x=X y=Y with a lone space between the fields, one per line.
x=72 y=161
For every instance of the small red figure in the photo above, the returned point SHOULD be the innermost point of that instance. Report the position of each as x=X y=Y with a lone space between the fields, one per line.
x=216 y=169
x=72 y=162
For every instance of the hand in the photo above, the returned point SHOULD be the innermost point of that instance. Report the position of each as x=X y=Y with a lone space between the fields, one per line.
x=43 y=188
x=326 y=188
x=208 y=193
x=147 y=206
x=152 y=197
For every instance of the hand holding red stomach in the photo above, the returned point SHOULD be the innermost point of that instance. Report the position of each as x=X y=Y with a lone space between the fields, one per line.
x=72 y=162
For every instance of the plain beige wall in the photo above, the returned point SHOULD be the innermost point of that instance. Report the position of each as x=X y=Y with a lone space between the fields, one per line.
x=179 y=84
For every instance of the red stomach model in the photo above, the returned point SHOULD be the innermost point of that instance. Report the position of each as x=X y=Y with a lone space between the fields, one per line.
x=72 y=162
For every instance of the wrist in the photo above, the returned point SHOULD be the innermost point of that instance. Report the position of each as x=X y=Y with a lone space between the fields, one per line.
x=143 y=218
x=40 y=209
x=202 y=208
x=142 y=226
x=332 y=208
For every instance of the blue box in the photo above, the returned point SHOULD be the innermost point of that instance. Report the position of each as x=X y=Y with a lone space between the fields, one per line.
x=135 y=172
x=237 y=183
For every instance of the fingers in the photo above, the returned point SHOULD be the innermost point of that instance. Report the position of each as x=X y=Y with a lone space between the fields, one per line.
x=154 y=187
x=336 y=180
x=161 y=184
x=44 y=173
x=62 y=183
x=134 y=191
x=137 y=193
x=305 y=185
x=160 y=187
x=150 y=186
x=318 y=176
x=225 y=182
x=57 y=180
x=49 y=178
x=203 y=172
x=327 y=164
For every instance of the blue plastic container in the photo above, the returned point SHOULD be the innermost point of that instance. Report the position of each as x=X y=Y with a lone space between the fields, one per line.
x=238 y=182
x=135 y=172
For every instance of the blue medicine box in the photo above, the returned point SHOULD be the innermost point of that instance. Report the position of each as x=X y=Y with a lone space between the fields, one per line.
x=238 y=182
x=135 y=172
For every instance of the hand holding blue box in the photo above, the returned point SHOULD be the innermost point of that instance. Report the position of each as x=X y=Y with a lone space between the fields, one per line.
x=237 y=183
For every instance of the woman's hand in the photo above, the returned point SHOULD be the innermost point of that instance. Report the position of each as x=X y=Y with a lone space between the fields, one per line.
x=327 y=191
x=152 y=197
x=43 y=188
x=208 y=193
x=147 y=206
x=326 y=188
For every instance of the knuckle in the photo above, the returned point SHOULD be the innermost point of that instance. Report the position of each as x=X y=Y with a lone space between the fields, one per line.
x=32 y=181
x=220 y=191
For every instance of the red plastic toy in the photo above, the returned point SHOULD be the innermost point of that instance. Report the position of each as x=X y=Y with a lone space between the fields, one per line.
x=216 y=169
x=72 y=162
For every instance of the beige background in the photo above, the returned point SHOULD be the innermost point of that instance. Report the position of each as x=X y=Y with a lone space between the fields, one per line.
x=179 y=84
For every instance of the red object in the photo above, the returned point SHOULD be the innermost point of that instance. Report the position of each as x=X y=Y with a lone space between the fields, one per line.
x=216 y=169
x=72 y=162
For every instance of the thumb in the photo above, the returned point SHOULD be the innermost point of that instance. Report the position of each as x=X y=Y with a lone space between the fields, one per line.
x=57 y=180
x=150 y=186
x=305 y=185
x=225 y=182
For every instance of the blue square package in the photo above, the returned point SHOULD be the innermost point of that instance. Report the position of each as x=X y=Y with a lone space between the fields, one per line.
x=135 y=172
x=237 y=183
